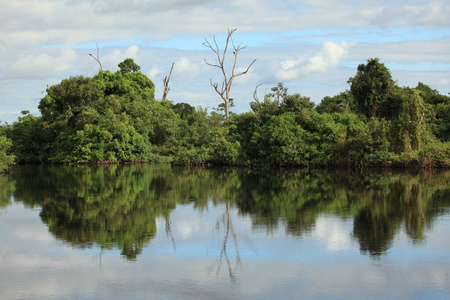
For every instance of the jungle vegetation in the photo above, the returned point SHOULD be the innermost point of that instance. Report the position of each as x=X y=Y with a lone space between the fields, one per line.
x=115 y=118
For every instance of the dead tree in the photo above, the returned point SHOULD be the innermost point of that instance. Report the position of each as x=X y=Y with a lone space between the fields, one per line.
x=225 y=90
x=97 y=58
x=255 y=94
x=166 y=84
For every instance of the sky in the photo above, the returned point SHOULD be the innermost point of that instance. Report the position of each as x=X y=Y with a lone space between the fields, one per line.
x=312 y=46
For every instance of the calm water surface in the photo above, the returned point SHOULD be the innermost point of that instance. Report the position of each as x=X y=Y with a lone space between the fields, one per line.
x=158 y=232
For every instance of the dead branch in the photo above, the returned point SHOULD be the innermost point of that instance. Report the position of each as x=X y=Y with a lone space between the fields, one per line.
x=166 y=84
x=255 y=93
x=97 y=58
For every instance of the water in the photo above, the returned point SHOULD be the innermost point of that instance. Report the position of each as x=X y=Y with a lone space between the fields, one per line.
x=158 y=232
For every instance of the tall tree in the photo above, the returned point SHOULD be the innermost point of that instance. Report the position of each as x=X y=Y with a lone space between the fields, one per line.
x=372 y=89
x=129 y=66
x=225 y=90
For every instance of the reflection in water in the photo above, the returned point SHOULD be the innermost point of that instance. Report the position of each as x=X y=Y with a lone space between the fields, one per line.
x=169 y=231
x=7 y=188
x=227 y=221
x=117 y=206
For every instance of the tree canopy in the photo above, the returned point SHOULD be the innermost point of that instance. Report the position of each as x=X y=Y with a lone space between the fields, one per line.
x=113 y=117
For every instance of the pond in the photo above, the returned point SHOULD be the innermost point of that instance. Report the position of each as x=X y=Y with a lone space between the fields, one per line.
x=162 y=232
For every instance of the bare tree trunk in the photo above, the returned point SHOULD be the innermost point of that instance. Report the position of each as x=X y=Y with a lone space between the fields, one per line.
x=225 y=90
x=97 y=58
x=166 y=84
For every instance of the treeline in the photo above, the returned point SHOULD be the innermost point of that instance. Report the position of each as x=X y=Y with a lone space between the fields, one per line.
x=114 y=117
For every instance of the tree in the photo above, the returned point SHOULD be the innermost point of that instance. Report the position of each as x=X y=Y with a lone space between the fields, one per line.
x=67 y=99
x=371 y=88
x=29 y=144
x=431 y=96
x=439 y=106
x=112 y=117
x=6 y=159
x=341 y=103
x=279 y=93
x=409 y=127
x=129 y=66
x=296 y=103
x=225 y=90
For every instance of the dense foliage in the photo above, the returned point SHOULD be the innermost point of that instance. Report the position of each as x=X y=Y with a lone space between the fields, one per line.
x=6 y=159
x=114 y=117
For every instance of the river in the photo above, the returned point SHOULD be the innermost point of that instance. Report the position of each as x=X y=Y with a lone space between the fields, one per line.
x=163 y=232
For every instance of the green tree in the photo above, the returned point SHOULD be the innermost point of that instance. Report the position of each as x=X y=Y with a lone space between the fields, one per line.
x=438 y=117
x=442 y=129
x=6 y=159
x=296 y=103
x=112 y=117
x=341 y=103
x=184 y=110
x=295 y=139
x=129 y=66
x=278 y=94
x=29 y=143
x=409 y=128
x=371 y=88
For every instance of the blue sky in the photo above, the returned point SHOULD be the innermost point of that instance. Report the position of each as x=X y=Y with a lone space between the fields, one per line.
x=313 y=47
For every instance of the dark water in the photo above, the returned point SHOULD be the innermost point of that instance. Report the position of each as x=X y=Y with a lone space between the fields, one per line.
x=158 y=232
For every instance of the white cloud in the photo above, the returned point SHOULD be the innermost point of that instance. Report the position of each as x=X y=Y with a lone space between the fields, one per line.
x=329 y=57
x=333 y=234
x=435 y=13
x=42 y=65
x=444 y=82
x=111 y=60
x=186 y=68
x=51 y=39
x=154 y=72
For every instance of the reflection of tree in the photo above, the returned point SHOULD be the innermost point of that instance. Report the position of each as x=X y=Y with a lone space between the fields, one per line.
x=7 y=187
x=379 y=202
x=226 y=219
x=374 y=232
x=169 y=231
x=116 y=206
x=403 y=200
x=296 y=198
x=113 y=209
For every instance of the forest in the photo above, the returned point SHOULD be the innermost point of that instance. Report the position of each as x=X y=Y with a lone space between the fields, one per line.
x=115 y=118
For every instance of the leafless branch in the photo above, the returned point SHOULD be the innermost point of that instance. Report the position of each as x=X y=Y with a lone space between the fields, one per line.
x=255 y=93
x=166 y=84
x=97 y=58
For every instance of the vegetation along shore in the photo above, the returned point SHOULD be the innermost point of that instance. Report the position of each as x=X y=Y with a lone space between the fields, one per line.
x=115 y=118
